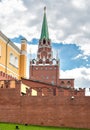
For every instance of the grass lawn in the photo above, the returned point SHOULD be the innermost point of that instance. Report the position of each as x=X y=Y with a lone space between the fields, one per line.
x=7 y=126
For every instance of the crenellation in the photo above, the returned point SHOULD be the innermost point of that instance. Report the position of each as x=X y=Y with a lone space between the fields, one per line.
x=4 y=76
x=19 y=108
x=39 y=92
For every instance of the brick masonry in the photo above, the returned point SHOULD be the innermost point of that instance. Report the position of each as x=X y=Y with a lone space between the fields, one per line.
x=60 y=110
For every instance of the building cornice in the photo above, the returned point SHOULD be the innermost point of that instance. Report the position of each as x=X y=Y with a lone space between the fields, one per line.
x=8 y=41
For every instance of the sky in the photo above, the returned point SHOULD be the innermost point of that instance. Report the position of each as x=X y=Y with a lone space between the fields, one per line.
x=69 y=31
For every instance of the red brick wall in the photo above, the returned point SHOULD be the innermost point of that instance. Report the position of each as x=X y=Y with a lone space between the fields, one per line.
x=10 y=105
x=48 y=110
x=66 y=83
x=57 y=90
x=49 y=74
x=56 y=111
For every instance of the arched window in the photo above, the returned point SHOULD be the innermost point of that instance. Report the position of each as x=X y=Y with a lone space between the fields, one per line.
x=62 y=84
x=33 y=61
x=16 y=61
x=40 y=61
x=47 y=60
x=54 y=61
x=11 y=58
x=68 y=84
x=44 y=41
x=48 y=42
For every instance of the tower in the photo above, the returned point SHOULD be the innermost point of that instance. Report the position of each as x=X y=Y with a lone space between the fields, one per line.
x=44 y=68
x=23 y=58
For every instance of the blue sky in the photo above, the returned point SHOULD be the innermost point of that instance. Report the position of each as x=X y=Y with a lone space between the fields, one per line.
x=69 y=31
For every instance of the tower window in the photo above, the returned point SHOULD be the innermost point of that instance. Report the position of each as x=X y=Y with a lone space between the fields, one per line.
x=68 y=82
x=48 y=42
x=62 y=84
x=47 y=61
x=44 y=41
x=36 y=68
x=54 y=61
x=40 y=61
x=33 y=61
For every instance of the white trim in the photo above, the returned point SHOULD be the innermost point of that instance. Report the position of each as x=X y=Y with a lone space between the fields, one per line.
x=9 y=45
x=23 y=52
x=44 y=46
x=43 y=65
x=14 y=49
x=3 y=39
x=9 y=69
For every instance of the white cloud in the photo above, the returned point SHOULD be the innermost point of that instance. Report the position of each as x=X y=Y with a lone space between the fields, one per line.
x=81 y=56
x=88 y=65
x=30 y=48
x=65 y=22
x=68 y=20
x=78 y=56
x=80 y=4
x=81 y=76
x=86 y=49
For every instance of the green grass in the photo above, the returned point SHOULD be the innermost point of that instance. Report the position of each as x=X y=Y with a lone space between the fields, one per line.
x=7 y=126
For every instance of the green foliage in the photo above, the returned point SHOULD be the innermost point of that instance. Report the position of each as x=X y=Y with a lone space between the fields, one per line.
x=7 y=126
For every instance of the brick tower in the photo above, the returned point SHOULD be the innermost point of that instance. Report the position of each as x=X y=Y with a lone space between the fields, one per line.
x=45 y=68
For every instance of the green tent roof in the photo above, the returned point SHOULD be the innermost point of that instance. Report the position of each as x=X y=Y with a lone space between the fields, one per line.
x=44 y=32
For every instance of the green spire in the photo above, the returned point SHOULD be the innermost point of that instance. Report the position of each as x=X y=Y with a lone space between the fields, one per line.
x=44 y=33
